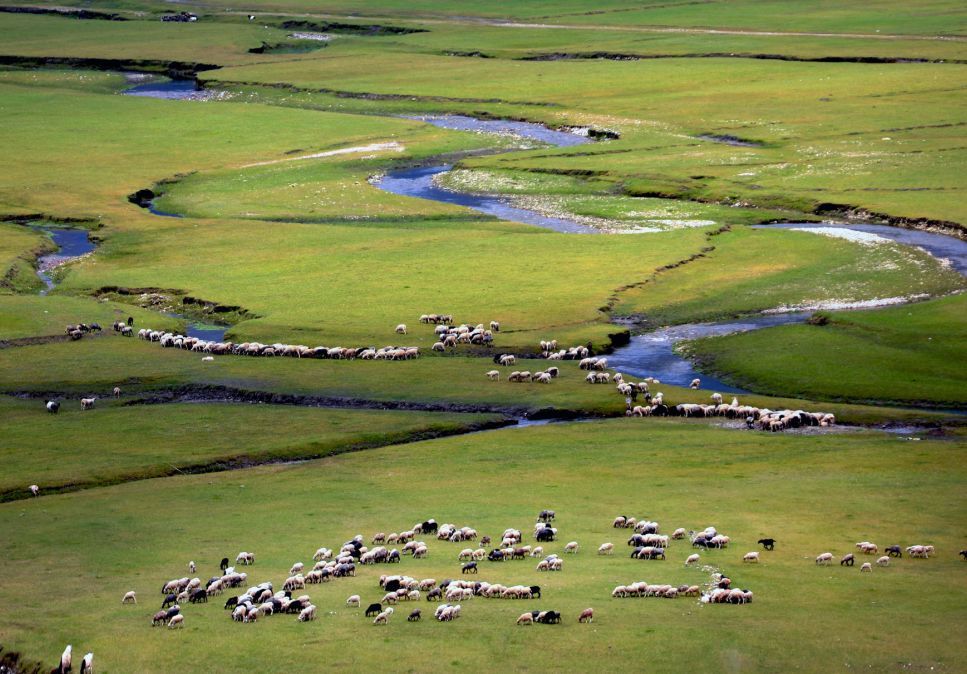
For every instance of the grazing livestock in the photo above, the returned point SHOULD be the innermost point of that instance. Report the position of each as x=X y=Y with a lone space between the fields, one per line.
x=35 y=490
x=87 y=664
x=353 y=600
x=176 y=621
x=866 y=567
x=129 y=598
x=224 y=564
x=572 y=547
x=493 y=375
x=415 y=616
x=87 y=403
x=401 y=329
x=963 y=553
x=606 y=548
x=826 y=558
x=893 y=551
x=383 y=617
x=52 y=406
x=751 y=557
x=587 y=616
x=66 y=659
x=847 y=560
x=373 y=610
x=883 y=561
x=692 y=559
x=469 y=567
x=767 y=543
x=525 y=619
x=191 y=567
x=159 y=618
x=117 y=391
x=696 y=383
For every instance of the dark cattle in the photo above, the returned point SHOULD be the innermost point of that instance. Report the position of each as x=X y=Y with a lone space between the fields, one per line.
x=895 y=551
x=536 y=591
x=198 y=596
x=224 y=564
x=767 y=543
x=374 y=610
x=392 y=585
x=231 y=603
x=169 y=601
x=172 y=612
x=469 y=567
x=436 y=594
x=414 y=616
x=545 y=535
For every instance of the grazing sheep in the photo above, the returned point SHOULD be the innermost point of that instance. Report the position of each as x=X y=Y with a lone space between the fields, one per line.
x=587 y=616
x=606 y=548
x=716 y=398
x=526 y=619
x=307 y=614
x=893 y=551
x=866 y=567
x=692 y=559
x=571 y=547
x=87 y=403
x=678 y=534
x=696 y=383
x=383 y=617
x=87 y=664
x=353 y=600
x=35 y=490
x=847 y=560
x=867 y=548
x=751 y=557
x=825 y=558
x=191 y=567
x=129 y=598
x=883 y=561
x=373 y=609
x=52 y=406
x=767 y=543
x=401 y=329
x=176 y=621
x=415 y=616
x=66 y=659
x=159 y=618
x=493 y=375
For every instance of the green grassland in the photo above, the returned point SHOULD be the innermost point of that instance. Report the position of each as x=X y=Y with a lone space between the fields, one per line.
x=813 y=494
x=305 y=250
x=114 y=443
x=912 y=354
x=95 y=366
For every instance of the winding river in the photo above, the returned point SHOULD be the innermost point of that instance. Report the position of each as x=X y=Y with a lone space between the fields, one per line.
x=650 y=354
x=71 y=244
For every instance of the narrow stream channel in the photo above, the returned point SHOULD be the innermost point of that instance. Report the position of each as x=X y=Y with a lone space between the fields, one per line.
x=71 y=243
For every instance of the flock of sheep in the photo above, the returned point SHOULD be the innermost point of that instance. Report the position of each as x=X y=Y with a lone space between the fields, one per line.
x=868 y=548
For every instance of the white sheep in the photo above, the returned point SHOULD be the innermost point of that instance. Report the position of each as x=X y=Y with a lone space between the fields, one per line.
x=129 y=598
x=35 y=490
x=606 y=548
x=751 y=557
x=191 y=567
x=87 y=403
x=716 y=398
x=401 y=329
x=571 y=547
x=883 y=561
x=825 y=558
x=87 y=664
x=493 y=375
x=383 y=617
x=696 y=383
x=866 y=567
x=296 y=568
x=176 y=621
x=692 y=559
x=66 y=659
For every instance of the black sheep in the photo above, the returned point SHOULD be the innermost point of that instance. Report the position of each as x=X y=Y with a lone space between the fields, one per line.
x=169 y=600
x=895 y=551
x=429 y=527
x=392 y=585
x=767 y=543
x=414 y=616
x=172 y=612
x=374 y=610
x=231 y=603
x=545 y=535
x=199 y=595
x=224 y=564
x=469 y=567
x=535 y=591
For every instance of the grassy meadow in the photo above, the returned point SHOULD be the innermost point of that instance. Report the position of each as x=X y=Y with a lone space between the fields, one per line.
x=811 y=493
x=722 y=116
